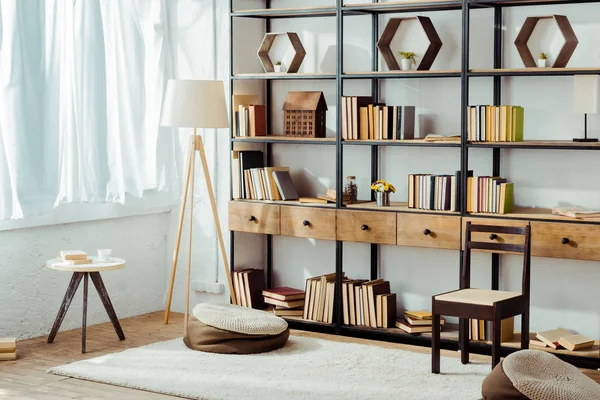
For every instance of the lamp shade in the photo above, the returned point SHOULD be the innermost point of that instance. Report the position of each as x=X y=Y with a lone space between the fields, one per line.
x=585 y=94
x=194 y=104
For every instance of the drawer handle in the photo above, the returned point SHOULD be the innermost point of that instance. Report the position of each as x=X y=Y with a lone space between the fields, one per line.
x=252 y=218
x=426 y=232
x=493 y=236
x=565 y=240
x=305 y=223
x=364 y=227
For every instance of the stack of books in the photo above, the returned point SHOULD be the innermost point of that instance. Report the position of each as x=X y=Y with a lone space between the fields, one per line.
x=417 y=322
x=364 y=120
x=8 y=349
x=288 y=302
x=74 y=257
x=319 y=299
x=252 y=181
x=251 y=120
x=489 y=194
x=248 y=285
x=368 y=303
x=433 y=192
x=495 y=123
x=562 y=338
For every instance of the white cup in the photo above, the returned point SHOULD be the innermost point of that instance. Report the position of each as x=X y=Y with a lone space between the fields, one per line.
x=104 y=254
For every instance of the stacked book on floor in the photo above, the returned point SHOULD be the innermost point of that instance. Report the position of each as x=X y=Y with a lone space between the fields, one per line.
x=251 y=180
x=562 y=338
x=8 y=349
x=74 y=257
x=287 y=302
x=368 y=303
x=319 y=299
x=364 y=120
x=495 y=123
x=482 y=330
x=248 y=285
x=419 y=321
x=489 y=194
x=433 y=192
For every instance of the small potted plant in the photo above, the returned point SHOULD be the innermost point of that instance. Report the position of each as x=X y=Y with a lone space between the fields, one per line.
x=542 y=60
x=382 y=191
x=277 y=66
x=407 y=60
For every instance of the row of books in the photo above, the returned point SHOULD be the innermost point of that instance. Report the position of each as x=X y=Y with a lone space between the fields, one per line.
x=253 y=181
x=433 y=192
x=368 y=303
x=482 y=330
x=287 y=301
x=319 y=299
x=248 y=285
x=495 y=123
x=364 y=120
x=562 y=338
x=251 y=120
x=487 y=194
x=417 y=322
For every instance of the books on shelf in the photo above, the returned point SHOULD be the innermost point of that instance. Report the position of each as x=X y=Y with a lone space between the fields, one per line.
x=577 y=212
x=319 y=298
x=288 y=302
x=248 y=285
x=418 y=321
x=433 y=192
x=249 y=118
x=284 y=293
x=489 y=194
x=408 y=328
x=483 y=330
x=238 y=100
x=284 y=183
x=364 y=120
x=368 y=303
x=575 y=342
x=551 y=337
x=495 y=123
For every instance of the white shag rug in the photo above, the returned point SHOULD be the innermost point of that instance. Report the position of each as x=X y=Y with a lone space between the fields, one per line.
x=305 y=368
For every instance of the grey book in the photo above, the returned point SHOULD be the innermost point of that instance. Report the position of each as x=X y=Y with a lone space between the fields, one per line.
x=285 y=185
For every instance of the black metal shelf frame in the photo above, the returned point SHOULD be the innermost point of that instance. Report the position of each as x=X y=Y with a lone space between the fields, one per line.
x=375 y=10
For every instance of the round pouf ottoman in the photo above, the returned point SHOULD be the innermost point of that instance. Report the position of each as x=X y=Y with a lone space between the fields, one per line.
x=229 y=329
x=538 y=375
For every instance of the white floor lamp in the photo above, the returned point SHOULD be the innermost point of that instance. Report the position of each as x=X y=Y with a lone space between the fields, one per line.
x=195 y=104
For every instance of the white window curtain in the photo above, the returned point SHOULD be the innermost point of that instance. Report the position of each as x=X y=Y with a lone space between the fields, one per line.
x=81 y=85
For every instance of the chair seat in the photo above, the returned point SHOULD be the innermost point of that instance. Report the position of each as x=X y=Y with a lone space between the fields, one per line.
x=481 y=297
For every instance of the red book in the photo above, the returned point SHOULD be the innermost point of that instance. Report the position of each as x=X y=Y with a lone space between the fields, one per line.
x=284 y=293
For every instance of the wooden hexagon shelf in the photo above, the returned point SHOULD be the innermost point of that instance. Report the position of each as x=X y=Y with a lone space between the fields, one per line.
x=566 y=30
x=265 y=47
x=435 y=43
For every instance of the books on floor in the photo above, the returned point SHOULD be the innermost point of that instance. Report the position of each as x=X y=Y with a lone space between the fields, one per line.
x=434 y=192
x=362 y=119
x=495 y=123
x=248 y=285
x=489 y=194
x=8 y=349
x=368 y=303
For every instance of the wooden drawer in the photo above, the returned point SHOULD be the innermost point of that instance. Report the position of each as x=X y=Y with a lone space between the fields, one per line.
x=253 y=217
x=318 y=223
x=366 y=226
x=437 y=231
x=499 y=237
x=572 y=241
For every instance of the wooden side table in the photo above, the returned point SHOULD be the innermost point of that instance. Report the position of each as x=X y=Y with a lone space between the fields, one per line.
x=83 y=272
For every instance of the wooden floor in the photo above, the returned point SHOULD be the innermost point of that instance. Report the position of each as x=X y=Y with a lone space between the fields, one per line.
x=26 y=378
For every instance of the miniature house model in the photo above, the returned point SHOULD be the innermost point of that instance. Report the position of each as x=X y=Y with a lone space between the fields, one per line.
x=304 y=114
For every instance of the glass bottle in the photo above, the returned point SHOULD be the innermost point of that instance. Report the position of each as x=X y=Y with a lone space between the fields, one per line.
x=351 y=190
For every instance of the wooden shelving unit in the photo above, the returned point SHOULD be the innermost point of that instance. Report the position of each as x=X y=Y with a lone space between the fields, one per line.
x=341 y=14
x=289 y=203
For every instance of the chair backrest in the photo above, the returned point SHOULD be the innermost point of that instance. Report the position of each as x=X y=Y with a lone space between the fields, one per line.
x=524 y=249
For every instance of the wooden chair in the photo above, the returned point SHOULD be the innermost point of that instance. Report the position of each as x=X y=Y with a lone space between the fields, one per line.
x=489 y=305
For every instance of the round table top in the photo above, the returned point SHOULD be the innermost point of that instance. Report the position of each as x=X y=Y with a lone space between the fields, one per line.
x=96 y=265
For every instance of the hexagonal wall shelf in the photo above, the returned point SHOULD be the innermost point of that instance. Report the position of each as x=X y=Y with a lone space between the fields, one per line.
x=566 y=30
x=265 y=47
x=435 y=43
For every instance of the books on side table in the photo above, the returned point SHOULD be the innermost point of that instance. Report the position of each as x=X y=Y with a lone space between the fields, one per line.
x=248 y=285
x=287 y=302
x=74 y=257
x=8 y=349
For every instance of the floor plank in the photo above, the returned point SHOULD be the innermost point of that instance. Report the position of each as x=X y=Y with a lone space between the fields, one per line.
x=26 y=378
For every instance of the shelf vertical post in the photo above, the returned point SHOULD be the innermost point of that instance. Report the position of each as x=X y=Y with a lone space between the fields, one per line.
x=497 y=101
x=374 y=149
x=231 y=144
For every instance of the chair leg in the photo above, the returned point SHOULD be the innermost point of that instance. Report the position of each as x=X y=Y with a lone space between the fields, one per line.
x=525 y=329
x=497 y=337
x=435 y=344
x=464 y=340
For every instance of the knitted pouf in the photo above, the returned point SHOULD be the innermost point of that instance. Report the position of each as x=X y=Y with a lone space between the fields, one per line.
x=229 y=329
x=538 y=375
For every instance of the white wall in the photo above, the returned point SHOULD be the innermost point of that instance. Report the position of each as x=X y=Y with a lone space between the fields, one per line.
x=31 y=294
x=563 y=291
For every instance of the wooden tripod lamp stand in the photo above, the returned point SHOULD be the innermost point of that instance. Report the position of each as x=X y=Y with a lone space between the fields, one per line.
x=195 y=104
